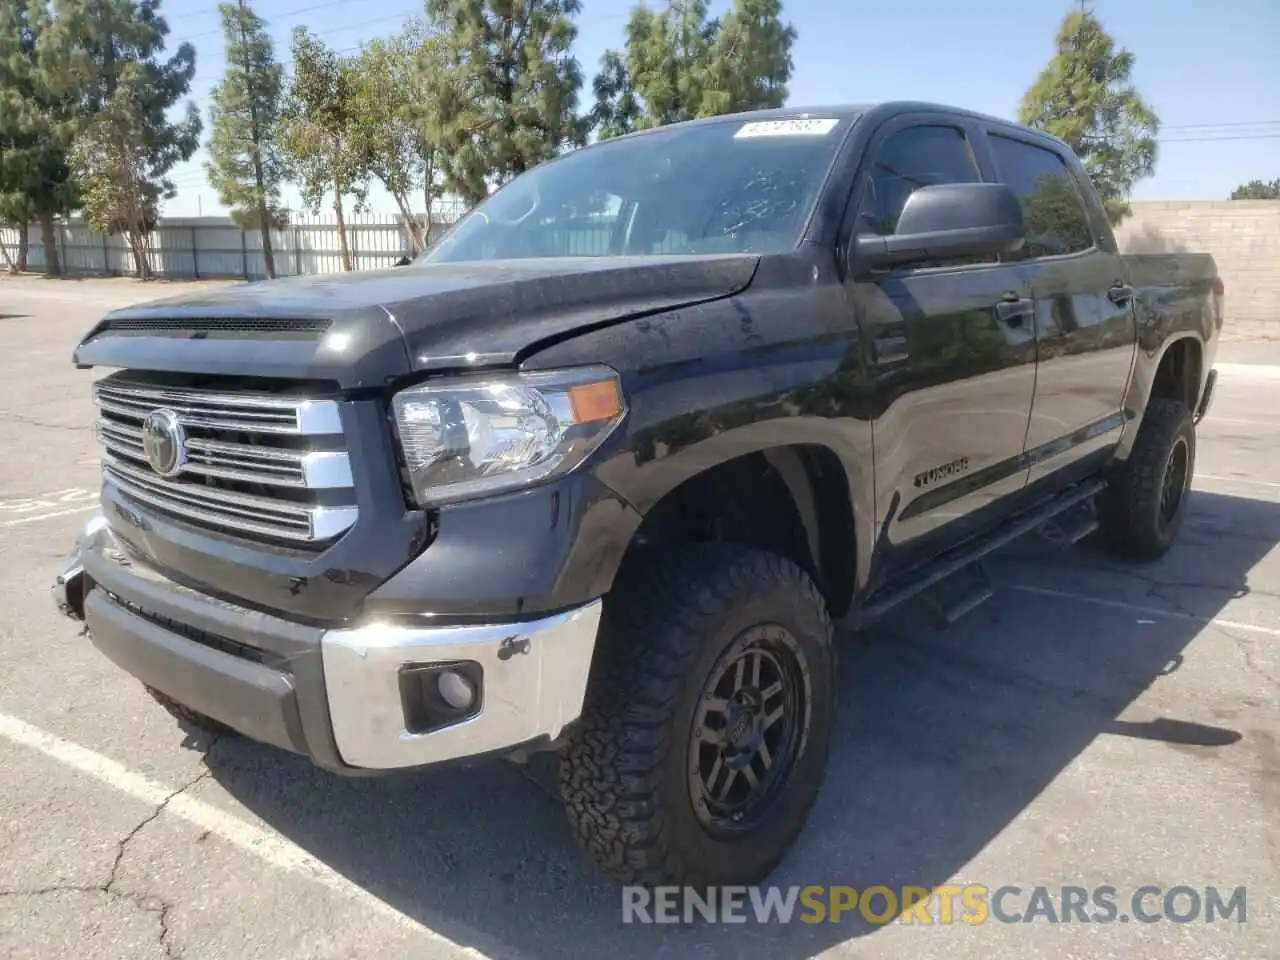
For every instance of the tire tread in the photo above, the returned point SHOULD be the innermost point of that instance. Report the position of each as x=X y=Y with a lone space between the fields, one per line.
x=1130 y=505
x=654 y=630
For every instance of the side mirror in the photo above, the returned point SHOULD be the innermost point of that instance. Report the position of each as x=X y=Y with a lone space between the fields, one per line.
x=948 y=221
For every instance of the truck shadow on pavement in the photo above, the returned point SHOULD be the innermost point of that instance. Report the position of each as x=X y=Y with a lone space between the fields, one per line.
x=943 y=739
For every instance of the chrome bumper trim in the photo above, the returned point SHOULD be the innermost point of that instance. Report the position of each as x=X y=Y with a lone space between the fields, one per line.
x=534 y=682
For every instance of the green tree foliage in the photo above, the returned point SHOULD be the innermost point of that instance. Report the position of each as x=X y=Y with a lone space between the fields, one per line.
x=391 y=77
x=35 y=177
x=103 y=58
x=247 y=164
x=617 y=108
x=749 y=63
x=17 y=66
x=679 y=65
x=1257 y=190
x=662 y=69
x=506 y=98
x=1086 y=98
x=320 y=130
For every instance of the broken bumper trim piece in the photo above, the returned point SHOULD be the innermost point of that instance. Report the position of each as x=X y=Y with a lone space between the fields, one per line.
x=533 y=682
x=343 y=697
x=69 y=586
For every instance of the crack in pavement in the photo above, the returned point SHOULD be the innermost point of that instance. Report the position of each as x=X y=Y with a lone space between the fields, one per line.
x=1243 y=644
x=157 y=905
x=139 y=901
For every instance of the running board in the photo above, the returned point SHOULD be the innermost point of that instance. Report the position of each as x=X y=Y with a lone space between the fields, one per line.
x=1070 y=527
x=956 y=559
x=977 y=595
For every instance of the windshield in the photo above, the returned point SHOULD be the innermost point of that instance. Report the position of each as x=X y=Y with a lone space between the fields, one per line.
x=728 y=187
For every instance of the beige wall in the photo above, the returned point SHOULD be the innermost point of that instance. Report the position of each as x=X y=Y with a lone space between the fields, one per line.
x=1242 y=235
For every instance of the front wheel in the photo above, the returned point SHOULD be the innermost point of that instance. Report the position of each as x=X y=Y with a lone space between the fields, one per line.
x=705 y=735
x=1142 y=509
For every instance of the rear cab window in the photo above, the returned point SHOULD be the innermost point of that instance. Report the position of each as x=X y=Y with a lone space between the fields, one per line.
x=1052 y=207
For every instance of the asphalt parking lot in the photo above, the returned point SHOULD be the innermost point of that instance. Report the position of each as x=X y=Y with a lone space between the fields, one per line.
x=1093 y=724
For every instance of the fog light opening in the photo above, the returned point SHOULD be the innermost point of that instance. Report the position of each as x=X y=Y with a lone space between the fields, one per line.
x=456 y=690
x=438 y=695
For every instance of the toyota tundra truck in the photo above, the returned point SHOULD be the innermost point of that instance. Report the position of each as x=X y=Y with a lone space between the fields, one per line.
x=602 y=472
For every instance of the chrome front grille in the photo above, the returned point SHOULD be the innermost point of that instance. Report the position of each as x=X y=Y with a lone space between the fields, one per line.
x=223 y=411
x=255 y=464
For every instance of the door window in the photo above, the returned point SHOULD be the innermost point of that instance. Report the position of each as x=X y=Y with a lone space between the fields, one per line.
x=908 y=160
x=1051 y=205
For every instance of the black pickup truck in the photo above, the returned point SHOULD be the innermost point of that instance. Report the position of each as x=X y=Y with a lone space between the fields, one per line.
x=599 y=472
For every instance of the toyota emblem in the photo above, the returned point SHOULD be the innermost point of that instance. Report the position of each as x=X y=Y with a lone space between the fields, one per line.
x=164 y=442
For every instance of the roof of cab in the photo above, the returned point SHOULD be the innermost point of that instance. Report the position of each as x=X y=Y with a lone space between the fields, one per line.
x=854 y=111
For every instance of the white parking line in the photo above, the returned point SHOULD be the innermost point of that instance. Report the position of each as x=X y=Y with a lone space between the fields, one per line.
x=1224 y=479
x=48 y=516
x=266 y=845
x=1247 y=371
x=48 y=506
x=1139 y=608
x=1210 y=420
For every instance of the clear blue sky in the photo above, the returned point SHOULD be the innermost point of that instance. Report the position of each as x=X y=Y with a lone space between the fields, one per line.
x=1210 y=70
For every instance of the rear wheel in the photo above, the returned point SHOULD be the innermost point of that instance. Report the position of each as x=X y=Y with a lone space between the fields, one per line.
x=1143 y=508
x=705 y=735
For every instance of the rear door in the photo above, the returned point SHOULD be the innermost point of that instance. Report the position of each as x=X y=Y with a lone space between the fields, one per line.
x=1085 y=326
x=950 y=348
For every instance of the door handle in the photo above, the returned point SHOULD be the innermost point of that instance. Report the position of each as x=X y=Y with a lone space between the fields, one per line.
x=1013 y=312
x=1120 y=294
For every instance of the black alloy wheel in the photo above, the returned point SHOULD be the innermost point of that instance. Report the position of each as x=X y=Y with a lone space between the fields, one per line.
x=750 y=723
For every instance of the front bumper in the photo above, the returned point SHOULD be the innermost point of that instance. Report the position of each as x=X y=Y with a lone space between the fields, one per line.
x=344 y=697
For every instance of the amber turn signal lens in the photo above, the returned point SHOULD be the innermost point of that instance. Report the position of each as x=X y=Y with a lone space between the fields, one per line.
x=595 y=401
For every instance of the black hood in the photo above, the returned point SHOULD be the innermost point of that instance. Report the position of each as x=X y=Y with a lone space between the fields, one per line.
x=364 y=329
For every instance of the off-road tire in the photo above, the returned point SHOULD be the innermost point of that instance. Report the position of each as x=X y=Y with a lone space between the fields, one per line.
x=624 y=774
x=1130 y=518
x=185 y=715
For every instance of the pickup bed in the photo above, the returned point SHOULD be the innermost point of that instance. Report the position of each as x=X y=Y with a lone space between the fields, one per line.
x=600 y=472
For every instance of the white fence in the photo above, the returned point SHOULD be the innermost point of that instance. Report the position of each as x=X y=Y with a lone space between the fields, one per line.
x=212 y=247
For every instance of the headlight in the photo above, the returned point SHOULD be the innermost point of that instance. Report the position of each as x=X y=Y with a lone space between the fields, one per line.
x=472 y=437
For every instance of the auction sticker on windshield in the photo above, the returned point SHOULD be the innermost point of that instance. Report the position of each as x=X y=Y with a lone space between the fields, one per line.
x=808 y=127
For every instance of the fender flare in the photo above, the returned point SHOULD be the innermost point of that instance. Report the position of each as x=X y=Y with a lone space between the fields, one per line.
x=1146 y=363
x=646 y=482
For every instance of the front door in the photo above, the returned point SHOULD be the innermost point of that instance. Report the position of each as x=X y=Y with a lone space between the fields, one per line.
x=951 y=354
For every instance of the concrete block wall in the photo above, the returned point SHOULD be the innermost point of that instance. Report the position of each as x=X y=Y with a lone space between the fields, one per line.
x=1242 y=235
